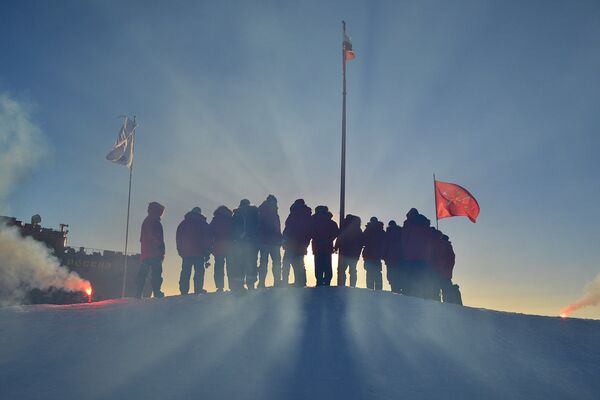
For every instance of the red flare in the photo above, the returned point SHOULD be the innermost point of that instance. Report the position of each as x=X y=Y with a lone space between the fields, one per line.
x=88 y=292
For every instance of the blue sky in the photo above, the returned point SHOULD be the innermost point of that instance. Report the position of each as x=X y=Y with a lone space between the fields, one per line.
x=241 y=99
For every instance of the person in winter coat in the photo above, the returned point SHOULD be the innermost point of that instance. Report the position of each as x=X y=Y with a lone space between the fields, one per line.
x=270 y=241
x=393 y=257
x=373 y=253
x=245 y=237
x=416 y=248
x=220 y=232
x=324 y=232
x=296 y=238
x=153 y=251
x=433 y=275
x=349 y=245
x=193 y=246
x=443 y=263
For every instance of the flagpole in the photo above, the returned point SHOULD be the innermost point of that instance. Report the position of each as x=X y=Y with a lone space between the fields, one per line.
x=343 y=166
x=127 y=224
x=127 y=233
x=436 y=205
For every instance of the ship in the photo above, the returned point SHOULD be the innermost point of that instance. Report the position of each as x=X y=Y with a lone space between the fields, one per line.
x=103 y=268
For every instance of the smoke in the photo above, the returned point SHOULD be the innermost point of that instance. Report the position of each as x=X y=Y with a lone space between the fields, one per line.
x=27 y=264
x=590 y=297
x=22 y=145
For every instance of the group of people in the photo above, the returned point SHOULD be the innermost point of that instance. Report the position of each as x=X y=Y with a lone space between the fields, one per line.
x=418 y=257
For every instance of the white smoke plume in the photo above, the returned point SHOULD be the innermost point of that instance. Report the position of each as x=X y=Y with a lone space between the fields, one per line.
x=590 y=297
x=27 y=264
x=22 y=145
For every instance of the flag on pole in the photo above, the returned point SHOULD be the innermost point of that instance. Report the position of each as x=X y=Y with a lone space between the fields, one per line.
x=453 y=200
x=348 y=52
x=122 y=152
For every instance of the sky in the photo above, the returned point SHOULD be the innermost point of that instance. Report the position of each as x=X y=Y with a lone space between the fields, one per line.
x=240 y=99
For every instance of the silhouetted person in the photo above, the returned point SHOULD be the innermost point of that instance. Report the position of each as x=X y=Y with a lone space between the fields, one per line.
x=393 y=257
x=443 y=263
x=416 y=240
x=349 y=245
x=193 y=245
x=153 y=251
x=220 y=230
x=373 y=253
x=433 y=274
x=296 y=237
x=324 y=232
x=270 y=241
x=245 y=231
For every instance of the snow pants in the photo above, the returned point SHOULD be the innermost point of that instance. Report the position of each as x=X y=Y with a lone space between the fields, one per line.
x=242 y=266
x=345 y=263
x=323 y=269
x=396 y=276
x=295 y=260
x=274 y=251
x=220 y=271
x=153 y=265
x=197 y=263
x=423 y=281
x=374 y=278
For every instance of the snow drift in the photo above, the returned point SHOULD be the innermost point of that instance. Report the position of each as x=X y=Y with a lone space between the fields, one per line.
x=317 y=343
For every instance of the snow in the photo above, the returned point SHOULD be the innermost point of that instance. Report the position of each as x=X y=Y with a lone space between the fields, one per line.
x=315 y=343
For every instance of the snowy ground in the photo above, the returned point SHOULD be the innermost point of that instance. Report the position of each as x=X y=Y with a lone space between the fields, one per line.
x=318 y=343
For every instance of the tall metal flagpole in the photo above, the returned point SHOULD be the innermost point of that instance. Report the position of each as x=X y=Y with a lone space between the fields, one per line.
x=128 y=209
x=436 y=204
x=343 y=167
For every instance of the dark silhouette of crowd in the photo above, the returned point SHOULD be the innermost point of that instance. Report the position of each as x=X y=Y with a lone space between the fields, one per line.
x=419 y=258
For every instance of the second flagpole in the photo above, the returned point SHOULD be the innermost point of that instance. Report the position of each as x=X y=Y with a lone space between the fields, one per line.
x=343 y=162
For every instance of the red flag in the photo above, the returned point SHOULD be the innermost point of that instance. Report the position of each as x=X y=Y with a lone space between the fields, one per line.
x=453 y=200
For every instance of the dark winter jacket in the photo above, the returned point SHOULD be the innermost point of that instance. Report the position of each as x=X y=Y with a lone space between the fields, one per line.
x=324 y=232
x=416 y=239
x=393 y=241
x=151 y=237
x=193 y=236
x=244 y=224
x=443 y=258
x=375 y=243
x=220 y=231
x=298 y=228
x=269 y=223
x=350 y=240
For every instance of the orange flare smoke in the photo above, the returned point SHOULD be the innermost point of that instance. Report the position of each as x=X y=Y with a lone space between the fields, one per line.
x=590 y=297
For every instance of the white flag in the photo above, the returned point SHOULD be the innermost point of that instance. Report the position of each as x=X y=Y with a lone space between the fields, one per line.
x=122 y=152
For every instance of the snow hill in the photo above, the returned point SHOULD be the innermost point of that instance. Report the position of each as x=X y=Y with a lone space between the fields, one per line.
x=317 y=343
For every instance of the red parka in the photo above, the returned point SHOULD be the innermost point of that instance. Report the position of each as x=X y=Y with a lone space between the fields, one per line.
x=151 y=237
